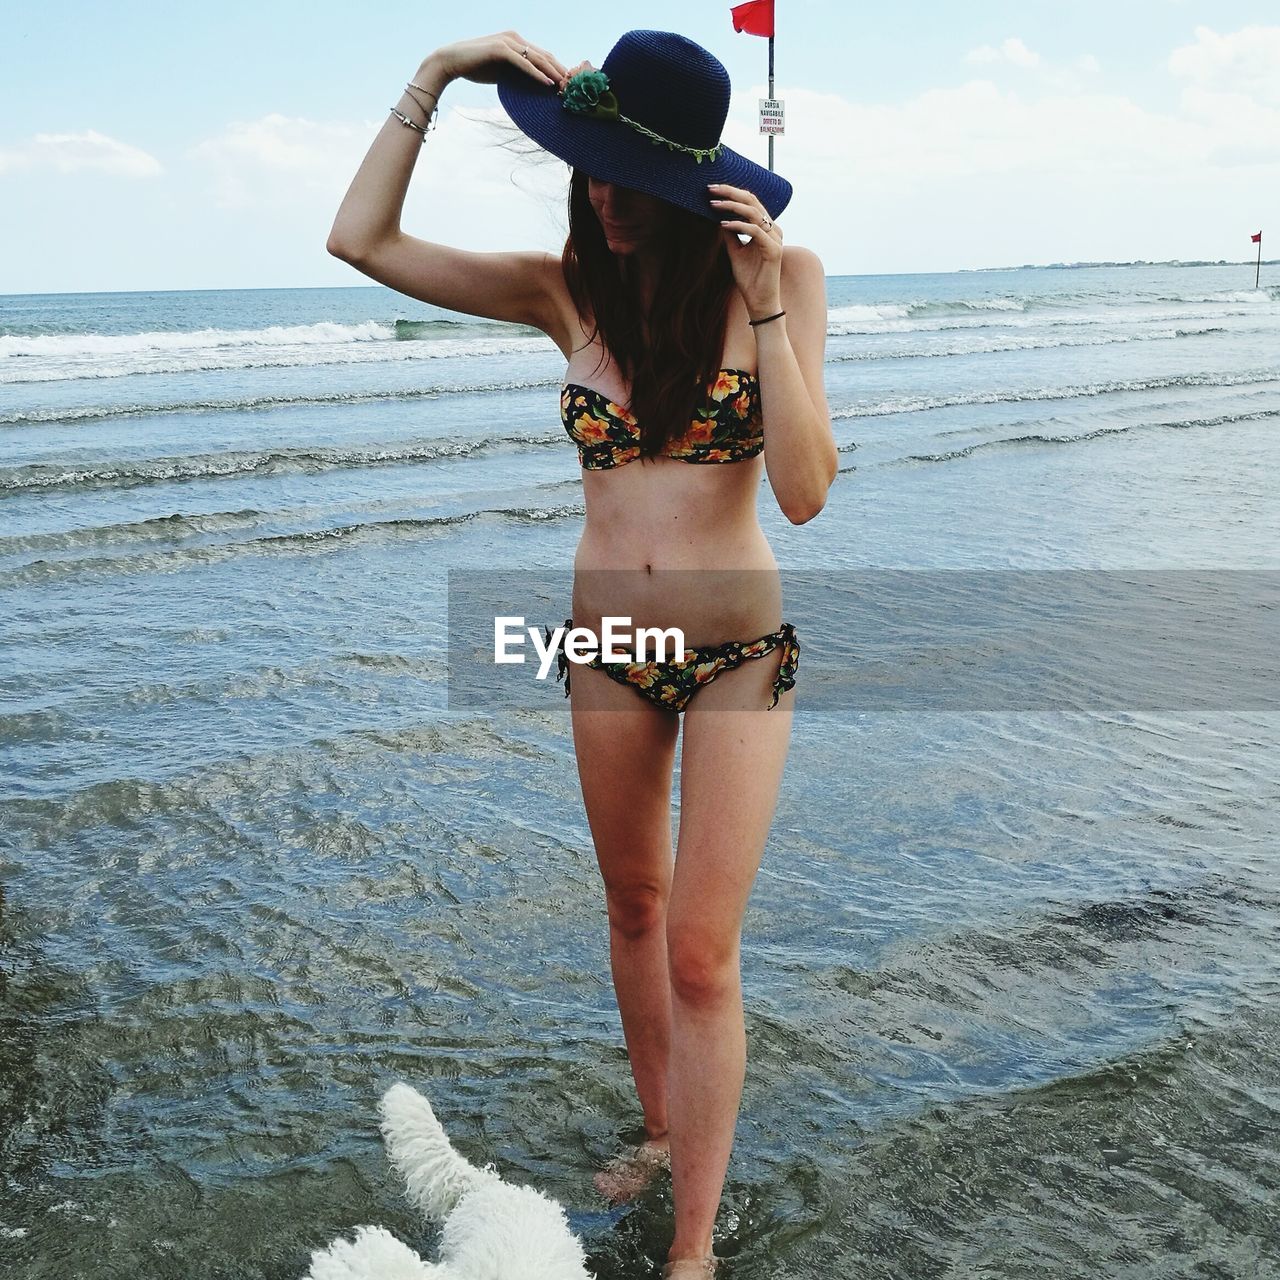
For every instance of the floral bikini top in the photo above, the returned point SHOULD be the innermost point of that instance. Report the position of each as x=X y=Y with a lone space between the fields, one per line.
x=728 y=427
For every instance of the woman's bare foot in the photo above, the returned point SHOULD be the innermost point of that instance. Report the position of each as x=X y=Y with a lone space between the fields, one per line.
x=625 y=1176
x=690 y=1268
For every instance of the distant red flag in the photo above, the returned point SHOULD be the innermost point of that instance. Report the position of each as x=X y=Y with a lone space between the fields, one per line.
x=755 y=17
x=1256 y=239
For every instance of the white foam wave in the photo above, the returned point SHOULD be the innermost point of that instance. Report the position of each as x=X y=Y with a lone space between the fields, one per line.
x=964 y=344
x=1256 y=296
x=33 y=358
x=120 y=356
x=919 y=403
x=847 y=322
x=866 y=313
x=74 y=345
x=994 y=304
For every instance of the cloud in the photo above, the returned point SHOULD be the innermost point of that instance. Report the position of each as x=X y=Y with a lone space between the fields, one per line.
x=78 y=152
x=1022 y=158
x=1244 y=62
x=986 y=172
x=1052 y=159
x=1232 y=91
x=1058 y=125
x=264 y=162
x=1011 y=50
x=978 y=128
x=301 y=168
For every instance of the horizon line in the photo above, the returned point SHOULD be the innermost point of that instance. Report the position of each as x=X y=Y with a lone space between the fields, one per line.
x=841 y=275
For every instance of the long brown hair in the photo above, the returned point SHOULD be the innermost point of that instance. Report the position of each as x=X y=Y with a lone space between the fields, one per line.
x=671 y=355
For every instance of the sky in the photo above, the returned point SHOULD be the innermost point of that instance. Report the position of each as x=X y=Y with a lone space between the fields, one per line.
x=148 y=146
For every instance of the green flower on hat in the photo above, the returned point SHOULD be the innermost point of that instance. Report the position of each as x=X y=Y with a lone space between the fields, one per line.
x=588 y=94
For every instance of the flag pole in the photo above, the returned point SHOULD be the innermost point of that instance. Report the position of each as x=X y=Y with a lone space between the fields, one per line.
x=771 y=97
x=1257 y=274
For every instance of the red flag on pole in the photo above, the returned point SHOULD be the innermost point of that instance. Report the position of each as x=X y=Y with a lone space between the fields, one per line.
x=1256 y=239
x=755 y=17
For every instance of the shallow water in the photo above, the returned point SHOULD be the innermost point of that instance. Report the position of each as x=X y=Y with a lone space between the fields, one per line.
x=1010 y=976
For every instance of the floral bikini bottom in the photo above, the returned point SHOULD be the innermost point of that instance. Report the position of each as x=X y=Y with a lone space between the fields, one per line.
x=671 y=685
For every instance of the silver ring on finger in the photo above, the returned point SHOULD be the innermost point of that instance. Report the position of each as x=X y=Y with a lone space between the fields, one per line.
x=524 y=53
x=768 y=222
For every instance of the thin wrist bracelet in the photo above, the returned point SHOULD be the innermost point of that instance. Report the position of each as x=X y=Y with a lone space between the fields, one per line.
x=404 y=120
x=766 y=320
x=435 y=108
x=431 y=115
x=413 y=84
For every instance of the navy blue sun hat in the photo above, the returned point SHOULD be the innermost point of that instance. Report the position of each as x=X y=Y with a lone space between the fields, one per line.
x=650 y=118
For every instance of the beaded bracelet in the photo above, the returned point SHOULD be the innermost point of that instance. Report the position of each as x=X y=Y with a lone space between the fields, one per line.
x=766 y=320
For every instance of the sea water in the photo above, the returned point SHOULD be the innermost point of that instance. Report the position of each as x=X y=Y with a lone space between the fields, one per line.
x=1010 y=970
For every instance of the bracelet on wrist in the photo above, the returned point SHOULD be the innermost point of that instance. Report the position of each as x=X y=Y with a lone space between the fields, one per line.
x=413 y=84
x=430 y=114
x=409 y=124
x=766 y=319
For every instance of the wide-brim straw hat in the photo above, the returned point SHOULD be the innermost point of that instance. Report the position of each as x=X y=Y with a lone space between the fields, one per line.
x=650 y=118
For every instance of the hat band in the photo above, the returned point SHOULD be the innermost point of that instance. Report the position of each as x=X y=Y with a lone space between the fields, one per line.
x=588 y=94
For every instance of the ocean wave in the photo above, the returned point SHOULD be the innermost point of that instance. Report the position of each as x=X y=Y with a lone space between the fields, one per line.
x=35 y=477
x=918 y=404
x=853 y=317
x=72 y=345
x=847 y=322
x=1040 y=311
x=145 y=562
x=521 y=515
x=44 y=477
x=32 y=357
x=1265 y=294
x=1039 y=321
x=1038 y=438
x=154 y=529
x=979 y=345
x=64 y=416
x=991 y=346
x=430 y=330
x=862 y=312
x=58 y=357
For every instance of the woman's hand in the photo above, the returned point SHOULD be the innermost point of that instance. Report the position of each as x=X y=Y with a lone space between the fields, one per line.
x=479 y=60
x=757 y=265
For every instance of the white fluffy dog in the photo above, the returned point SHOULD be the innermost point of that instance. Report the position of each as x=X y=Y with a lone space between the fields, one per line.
x=493 y=1230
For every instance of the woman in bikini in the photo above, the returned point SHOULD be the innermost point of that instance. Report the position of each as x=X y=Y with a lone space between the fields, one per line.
x=691 y=336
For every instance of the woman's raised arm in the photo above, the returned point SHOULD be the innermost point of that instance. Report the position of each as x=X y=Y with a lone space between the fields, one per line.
x=366 y=231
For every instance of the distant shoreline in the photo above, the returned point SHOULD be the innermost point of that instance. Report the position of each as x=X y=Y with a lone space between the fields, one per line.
x=1140 y=262
x=838 y=275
